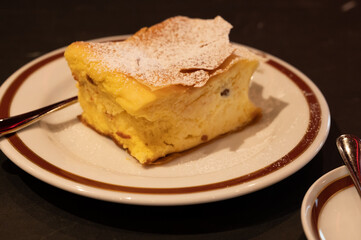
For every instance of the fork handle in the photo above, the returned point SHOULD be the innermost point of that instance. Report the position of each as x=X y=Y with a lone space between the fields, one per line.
x=349 y=147
x=15 y=123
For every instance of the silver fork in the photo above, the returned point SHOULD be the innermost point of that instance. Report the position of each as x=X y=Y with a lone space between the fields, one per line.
x=15 y=123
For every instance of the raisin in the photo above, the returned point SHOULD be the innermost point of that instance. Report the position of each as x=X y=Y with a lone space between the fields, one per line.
x=90 y=79
x=123 y=135
x=225 y=92
x=204 y=138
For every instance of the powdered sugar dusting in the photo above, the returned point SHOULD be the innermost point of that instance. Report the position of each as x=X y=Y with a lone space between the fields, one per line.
x=179 y=50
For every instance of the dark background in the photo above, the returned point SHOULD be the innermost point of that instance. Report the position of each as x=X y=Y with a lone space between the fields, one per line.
x=321 y=38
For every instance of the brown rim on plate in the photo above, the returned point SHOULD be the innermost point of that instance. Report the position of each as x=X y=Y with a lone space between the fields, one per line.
x=326 y=194
x=305 y=142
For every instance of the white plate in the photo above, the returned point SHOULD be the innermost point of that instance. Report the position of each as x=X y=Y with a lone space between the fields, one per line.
x=61 y=151
x=331 y=208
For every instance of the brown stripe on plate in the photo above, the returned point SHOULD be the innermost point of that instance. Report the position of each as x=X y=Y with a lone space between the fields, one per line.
x=328 y=192
x=15 y=85
x=308 y=138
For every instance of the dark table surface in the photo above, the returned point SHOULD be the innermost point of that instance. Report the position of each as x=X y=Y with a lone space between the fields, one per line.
x=321 y=38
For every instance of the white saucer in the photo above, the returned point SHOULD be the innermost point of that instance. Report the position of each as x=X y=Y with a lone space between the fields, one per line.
x=331 y=208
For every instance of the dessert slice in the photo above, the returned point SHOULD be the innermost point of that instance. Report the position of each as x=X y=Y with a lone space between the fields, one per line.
x=165 y=89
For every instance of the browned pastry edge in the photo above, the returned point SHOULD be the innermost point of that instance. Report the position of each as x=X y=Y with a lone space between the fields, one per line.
x=171 y=156
x=254 y=119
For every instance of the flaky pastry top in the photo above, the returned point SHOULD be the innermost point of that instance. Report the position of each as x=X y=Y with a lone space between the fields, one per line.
x=177 y=51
